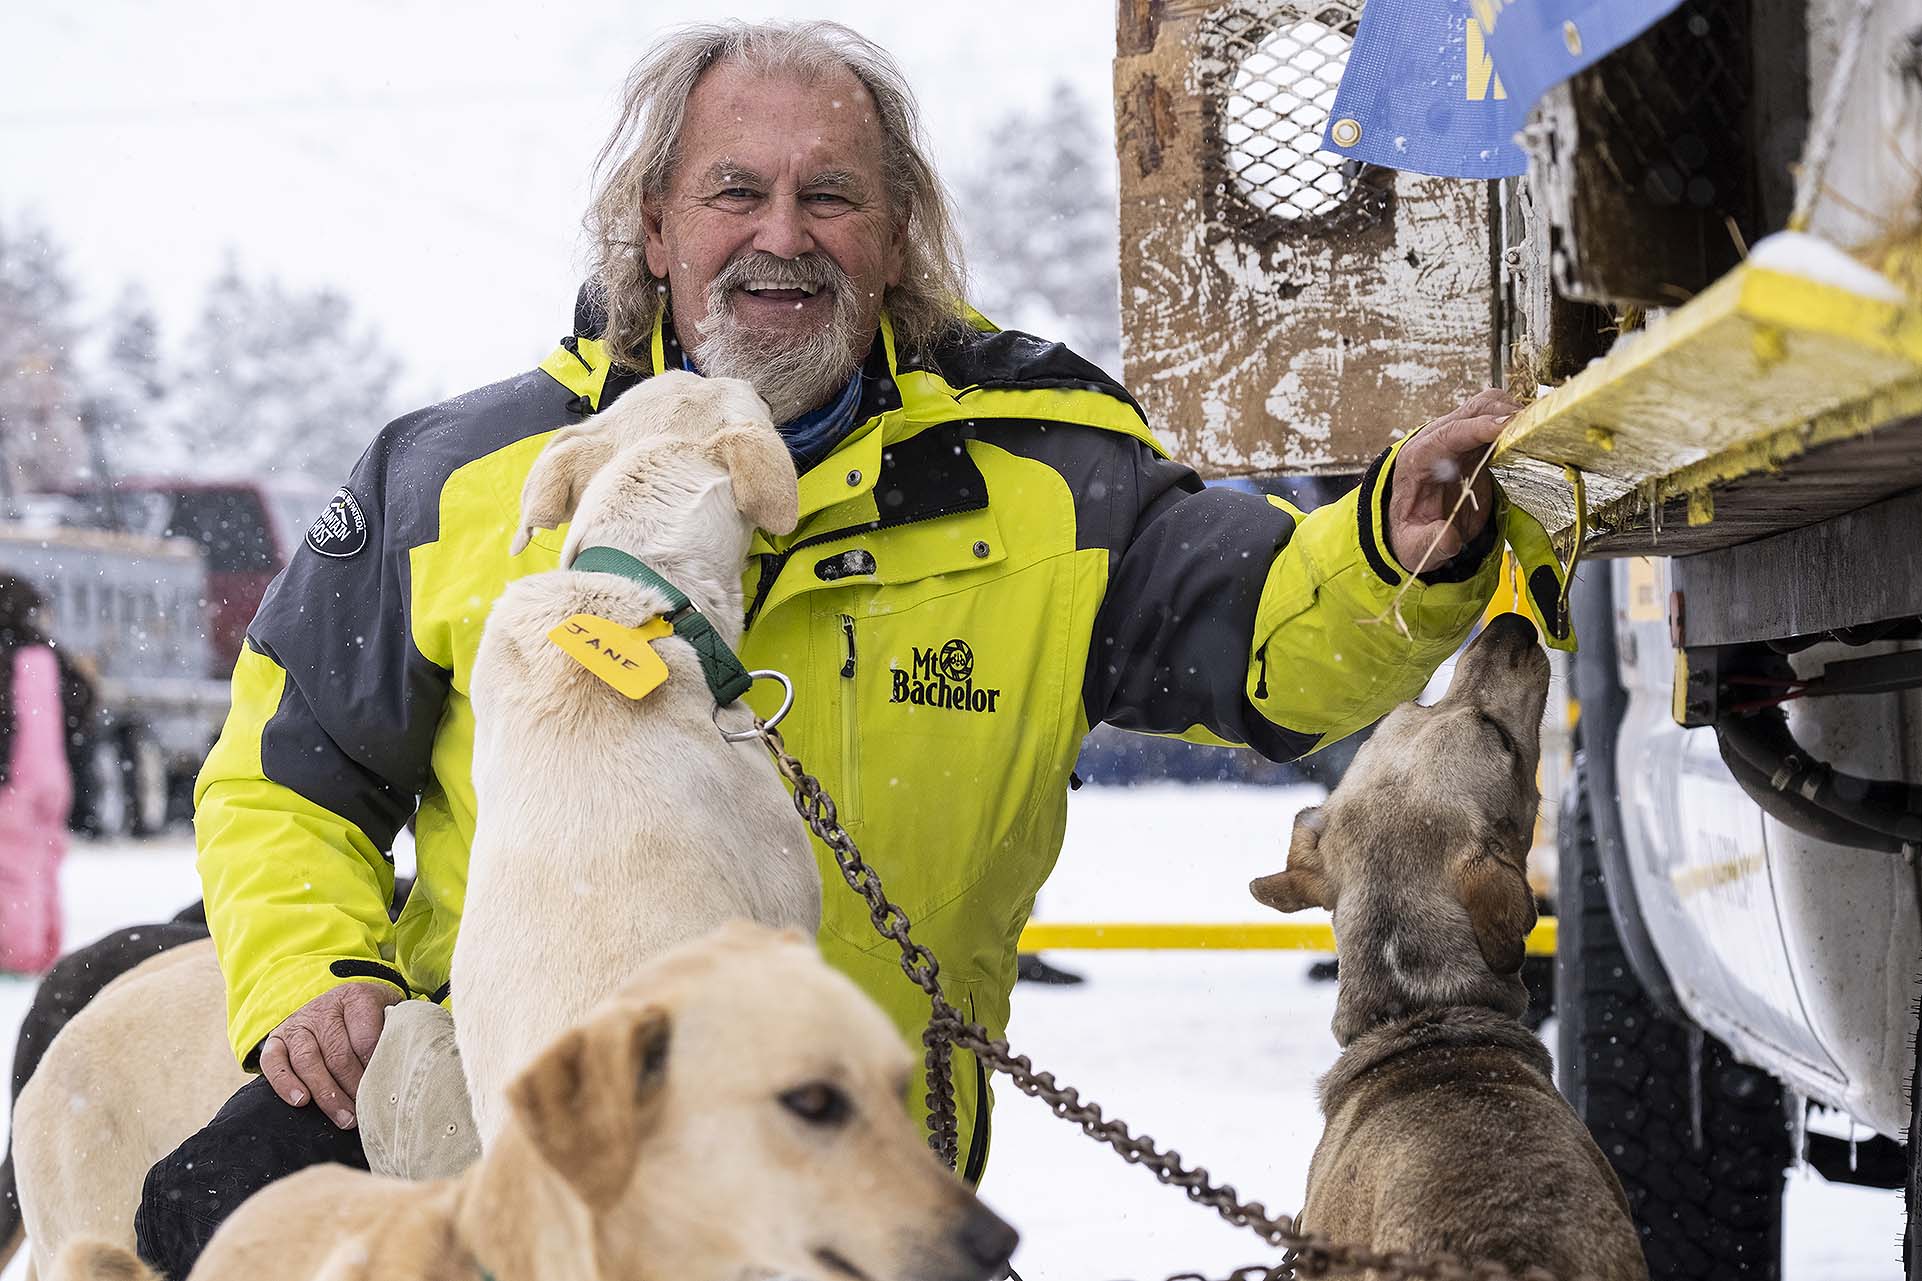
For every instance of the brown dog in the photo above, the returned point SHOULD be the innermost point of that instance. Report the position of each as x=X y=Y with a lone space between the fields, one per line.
x=737 y=1109
x=1445 y=1132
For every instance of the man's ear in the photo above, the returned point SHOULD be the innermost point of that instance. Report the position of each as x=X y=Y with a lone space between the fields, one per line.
x=762 y=472
x=591 y=1097
x=1305 y=883
x=653 y=238
x=897 y=253
x=557 y=478
x=1500 y=906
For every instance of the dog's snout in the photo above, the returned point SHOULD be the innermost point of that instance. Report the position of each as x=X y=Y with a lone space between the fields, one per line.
x=988 y=1241
x=1513 y=629
x=1510 y=642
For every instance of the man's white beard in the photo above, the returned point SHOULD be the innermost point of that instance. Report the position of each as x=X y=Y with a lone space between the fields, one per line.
x=793 y=372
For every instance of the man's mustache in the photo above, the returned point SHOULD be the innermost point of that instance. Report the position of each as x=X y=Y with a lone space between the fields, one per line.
x=809 y=271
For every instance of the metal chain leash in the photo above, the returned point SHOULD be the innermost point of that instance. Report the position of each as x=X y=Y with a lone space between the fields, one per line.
x=1305 y=1254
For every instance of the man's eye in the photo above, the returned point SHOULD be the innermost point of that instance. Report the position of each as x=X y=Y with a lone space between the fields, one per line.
x=826 y=198
x=737 y=193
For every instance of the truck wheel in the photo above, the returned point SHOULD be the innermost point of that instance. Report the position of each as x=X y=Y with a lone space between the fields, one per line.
x=180 y=796
x=129 y=784
x=1699 y=1140
x=1912 y=1231
x=108 y=813
x=144 y=769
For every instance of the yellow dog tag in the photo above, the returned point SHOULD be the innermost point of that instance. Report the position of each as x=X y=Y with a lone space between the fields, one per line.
x=619 y=655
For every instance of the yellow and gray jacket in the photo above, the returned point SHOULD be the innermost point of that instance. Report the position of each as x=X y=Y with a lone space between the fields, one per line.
x=997 y=557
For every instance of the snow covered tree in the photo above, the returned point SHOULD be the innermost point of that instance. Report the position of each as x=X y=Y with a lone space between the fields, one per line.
x=41 y=443
x=275 y=381
x=1041 y=215
x=129 y=384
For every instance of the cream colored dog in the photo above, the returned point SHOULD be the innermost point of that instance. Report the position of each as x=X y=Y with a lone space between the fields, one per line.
x=610 y=828
x=603 y=836
x=86 y=1132
x=736 y=1110
x=1445 y=1132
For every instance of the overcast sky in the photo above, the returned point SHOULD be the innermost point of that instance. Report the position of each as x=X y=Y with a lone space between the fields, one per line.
x=430 y=160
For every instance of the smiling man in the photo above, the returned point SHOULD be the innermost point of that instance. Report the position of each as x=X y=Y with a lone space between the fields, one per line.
x=994 y=554
x=776 y=256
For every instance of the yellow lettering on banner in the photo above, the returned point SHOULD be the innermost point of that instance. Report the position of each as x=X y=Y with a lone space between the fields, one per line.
x=618 y=655
x=1481 y=67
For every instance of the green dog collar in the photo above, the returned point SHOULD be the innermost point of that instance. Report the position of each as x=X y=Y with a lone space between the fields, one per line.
x=727 y=678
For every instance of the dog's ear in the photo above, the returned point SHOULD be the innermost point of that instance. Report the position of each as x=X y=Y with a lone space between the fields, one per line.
x=1305 y=883
x=557 y=478
x=1500 y=906
x=762 y=472
x=590 y=1098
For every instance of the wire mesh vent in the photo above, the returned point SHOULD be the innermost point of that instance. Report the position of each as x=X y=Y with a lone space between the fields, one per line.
x=1673 y=109
x=1664 y=163
x=1275 y=68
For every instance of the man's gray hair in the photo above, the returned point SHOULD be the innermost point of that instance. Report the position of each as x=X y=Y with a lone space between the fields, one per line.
x=638 y=160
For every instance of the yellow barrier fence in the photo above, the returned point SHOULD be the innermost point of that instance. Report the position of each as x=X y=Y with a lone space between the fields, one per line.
x=1267 y=936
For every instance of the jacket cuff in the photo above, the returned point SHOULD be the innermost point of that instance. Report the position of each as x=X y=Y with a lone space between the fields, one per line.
x=285 y=987
x=1371 y=516
x=1374 y=494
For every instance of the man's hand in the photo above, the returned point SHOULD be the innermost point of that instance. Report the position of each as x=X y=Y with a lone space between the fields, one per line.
x=320 y=1050
x=1428 y=482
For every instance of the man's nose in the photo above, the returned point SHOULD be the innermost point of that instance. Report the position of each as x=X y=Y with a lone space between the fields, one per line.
x=783 y=230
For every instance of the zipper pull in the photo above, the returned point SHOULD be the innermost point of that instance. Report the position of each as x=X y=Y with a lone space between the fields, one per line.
x=847 y=630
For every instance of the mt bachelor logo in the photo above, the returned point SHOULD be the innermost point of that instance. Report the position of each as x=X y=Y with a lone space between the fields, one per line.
x=341 y=530
x=942 y=677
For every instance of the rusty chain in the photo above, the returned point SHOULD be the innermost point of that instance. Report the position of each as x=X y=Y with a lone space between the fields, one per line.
x=1305 y=1254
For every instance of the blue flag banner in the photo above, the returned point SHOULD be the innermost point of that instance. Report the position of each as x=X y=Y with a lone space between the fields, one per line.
x=1420 y=93
x=1537 y=44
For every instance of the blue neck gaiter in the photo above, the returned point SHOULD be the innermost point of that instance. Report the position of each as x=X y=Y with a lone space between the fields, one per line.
x=813 y=435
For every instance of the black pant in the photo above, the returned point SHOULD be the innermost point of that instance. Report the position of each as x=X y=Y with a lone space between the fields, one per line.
x=253 y=1140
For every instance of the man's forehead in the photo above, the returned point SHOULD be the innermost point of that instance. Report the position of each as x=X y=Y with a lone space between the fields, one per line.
x=738 y=105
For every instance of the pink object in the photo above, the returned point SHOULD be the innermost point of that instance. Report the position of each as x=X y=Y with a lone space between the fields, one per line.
x=33 y=816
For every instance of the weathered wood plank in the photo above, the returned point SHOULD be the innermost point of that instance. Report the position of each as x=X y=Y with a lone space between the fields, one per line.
x=1268 y=345
x=1762 y=369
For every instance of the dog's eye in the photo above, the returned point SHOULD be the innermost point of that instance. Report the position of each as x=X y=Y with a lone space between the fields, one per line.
x=818 y=1103
x=1508 y=744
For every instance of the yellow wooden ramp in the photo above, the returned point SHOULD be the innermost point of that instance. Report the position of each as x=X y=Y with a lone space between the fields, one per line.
x=1698 y=419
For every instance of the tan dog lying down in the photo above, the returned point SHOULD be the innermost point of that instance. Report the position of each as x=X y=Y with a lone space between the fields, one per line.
x=557 y=915
x=1444 y=1129
x=96 y=1114
x=143 y=1066
x=735 y=1110
x=607 y=828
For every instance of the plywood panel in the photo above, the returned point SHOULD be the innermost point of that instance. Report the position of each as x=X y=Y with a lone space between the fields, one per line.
x=1257 y=344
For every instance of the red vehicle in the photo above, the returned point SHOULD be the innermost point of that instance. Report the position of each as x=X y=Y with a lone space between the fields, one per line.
x=248 y=529
x=155 y=580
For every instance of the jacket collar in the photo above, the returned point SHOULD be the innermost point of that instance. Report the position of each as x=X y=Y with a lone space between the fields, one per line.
x=900 y=402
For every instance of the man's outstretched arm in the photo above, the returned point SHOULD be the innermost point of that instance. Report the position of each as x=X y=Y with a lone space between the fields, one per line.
x=1233 y=618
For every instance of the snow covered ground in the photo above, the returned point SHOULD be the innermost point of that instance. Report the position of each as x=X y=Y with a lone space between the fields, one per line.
x=1215 y=1055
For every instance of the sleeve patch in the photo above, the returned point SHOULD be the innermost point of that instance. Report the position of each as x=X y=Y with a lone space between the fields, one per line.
x=341 y=530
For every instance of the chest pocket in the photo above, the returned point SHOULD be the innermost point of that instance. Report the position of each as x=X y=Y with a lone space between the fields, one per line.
x=949 y=704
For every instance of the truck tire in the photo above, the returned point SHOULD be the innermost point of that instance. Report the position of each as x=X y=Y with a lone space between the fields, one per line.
x=1699 y=1140
x=1912 y=1228
x=144 y=769
x=128 y=792
x=108 y=813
